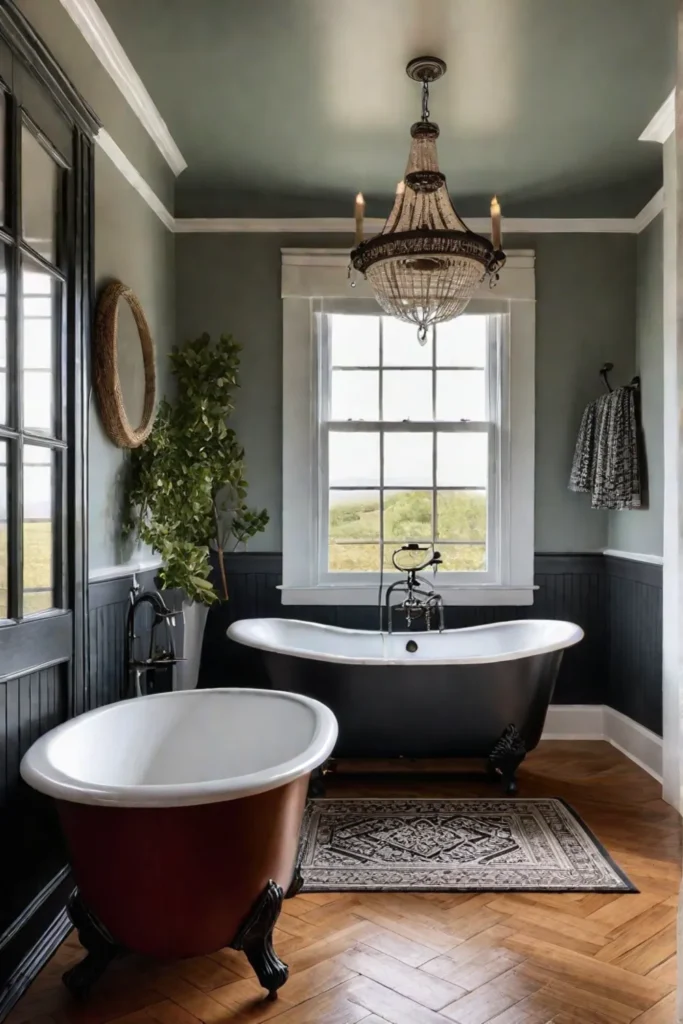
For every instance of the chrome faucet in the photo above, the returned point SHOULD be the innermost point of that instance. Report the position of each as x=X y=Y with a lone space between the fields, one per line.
x=421 y=600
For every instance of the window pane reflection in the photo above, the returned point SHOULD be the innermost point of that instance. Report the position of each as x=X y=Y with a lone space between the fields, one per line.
x=355 y=395
x=40 y=177
x=39 y=476
x=40 y=309
x=3 y=529
x=354 y=340
x=354 y=460
x=462 y=460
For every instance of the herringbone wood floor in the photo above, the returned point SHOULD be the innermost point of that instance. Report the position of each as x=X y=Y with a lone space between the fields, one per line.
x=433 y=959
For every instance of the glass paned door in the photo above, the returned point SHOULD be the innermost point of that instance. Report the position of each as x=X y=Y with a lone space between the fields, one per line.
x=33 y=413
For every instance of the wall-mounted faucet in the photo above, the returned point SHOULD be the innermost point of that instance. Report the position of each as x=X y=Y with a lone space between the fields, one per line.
x=153 y=673
x=421 y=600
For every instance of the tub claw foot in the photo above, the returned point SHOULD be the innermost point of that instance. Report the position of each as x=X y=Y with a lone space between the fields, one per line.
x=255 y=937
x=506 y=757
x=101 y=948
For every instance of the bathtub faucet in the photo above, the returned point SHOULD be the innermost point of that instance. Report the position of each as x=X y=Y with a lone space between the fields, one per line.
x=421 y=600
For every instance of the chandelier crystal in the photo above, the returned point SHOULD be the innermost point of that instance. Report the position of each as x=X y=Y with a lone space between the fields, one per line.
x=425 y=265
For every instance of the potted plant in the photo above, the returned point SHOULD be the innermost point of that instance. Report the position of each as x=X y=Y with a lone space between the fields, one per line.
x=186 y=488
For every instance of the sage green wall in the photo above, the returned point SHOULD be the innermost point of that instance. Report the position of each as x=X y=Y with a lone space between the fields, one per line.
x=131 y=244
x=585 y=315
x=641 y=531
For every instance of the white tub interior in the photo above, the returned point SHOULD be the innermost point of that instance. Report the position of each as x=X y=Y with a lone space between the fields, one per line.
x=500 y=641
x=170 y=741
x=191 y=746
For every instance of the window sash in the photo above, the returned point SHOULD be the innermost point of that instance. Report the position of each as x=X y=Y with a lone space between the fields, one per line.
x=495 y=383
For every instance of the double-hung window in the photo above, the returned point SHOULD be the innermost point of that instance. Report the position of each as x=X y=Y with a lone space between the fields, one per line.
x=388 y=442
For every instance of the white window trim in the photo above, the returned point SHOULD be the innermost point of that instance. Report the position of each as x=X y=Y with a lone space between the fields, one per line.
x=313 y=274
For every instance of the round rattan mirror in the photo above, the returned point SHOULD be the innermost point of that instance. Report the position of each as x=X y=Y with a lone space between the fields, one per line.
x=108 y=387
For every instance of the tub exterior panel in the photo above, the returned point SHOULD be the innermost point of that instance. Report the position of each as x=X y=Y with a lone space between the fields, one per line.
x=178 y=881
x=424 y=710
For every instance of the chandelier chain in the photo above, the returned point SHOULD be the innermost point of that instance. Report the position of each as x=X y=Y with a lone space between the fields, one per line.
x=425 y=101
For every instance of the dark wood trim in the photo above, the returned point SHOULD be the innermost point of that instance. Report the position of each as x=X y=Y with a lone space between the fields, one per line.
x=27 y=44
x=629 y=569
x=35 y=643
x=35 y=904
x=43 y=934
x=253 y=561
x=106 y=592
x=573 y=562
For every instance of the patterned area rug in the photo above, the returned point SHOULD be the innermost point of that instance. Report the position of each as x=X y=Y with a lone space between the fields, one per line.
x=477 y=845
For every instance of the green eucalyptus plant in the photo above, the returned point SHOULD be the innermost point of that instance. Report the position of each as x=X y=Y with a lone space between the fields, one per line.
x=185 y=490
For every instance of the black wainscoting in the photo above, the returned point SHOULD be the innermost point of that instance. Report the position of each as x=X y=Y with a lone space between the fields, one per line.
x=572 y=587
x=33 y=856
x=109 y=602
x=635 y=640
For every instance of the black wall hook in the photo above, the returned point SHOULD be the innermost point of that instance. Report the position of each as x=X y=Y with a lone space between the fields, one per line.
x=607 y=368
x=604 y=370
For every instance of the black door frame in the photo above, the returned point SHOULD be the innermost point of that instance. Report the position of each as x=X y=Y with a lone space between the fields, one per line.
x=40 y=927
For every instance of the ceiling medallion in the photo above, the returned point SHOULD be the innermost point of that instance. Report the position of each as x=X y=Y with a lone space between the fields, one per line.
x=425 y=265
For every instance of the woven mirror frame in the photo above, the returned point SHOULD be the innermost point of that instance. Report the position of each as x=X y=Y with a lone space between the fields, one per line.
x=106 y=371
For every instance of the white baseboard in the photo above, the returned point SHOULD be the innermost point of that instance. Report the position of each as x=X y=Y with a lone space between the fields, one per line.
x=599 y=722
x=574 y=722
x=640 y=744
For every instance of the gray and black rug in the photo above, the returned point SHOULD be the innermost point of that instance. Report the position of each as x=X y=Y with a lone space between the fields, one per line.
x=477 y=845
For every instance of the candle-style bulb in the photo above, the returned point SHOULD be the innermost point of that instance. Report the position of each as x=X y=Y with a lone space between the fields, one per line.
x=496 y=232
x=359 y=211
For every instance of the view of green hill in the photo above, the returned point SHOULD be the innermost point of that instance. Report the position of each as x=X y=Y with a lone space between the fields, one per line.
x=461 y=516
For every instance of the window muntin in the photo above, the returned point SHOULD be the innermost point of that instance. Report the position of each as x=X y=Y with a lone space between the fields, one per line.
x=408 y=443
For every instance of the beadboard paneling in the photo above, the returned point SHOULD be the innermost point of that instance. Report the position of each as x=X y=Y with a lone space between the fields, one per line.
x=29 y=706
x=635 y=640
x=108 y=604
x=618 y=603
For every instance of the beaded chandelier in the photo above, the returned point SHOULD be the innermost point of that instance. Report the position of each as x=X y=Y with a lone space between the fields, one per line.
x=425 y=265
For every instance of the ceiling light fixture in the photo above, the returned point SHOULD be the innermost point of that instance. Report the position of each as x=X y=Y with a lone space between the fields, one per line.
x=425 y=265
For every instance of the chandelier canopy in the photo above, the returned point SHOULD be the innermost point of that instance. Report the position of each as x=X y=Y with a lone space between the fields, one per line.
x=426 y=264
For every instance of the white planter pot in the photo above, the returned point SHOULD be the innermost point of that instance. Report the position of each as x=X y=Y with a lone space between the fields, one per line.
x=190 y=646
x=188 y=632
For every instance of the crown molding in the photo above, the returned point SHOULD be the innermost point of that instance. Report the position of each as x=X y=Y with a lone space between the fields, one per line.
x=373 y=225
x=133 y=177
x=663 y=123
x=100 y=37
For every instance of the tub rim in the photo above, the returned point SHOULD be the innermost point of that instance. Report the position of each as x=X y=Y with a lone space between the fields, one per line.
x=237 y=632
x=39 y=772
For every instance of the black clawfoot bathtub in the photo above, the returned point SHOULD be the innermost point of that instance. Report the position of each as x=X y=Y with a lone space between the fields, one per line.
x=481 y=692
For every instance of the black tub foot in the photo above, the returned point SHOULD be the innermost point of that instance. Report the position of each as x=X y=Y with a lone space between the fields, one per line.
x=506 y=757
x=317 y=783
x=296 y=885
x=255 y=937
x=100 y=946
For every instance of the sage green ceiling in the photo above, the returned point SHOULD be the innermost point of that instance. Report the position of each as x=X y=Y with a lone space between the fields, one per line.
x=289 y=107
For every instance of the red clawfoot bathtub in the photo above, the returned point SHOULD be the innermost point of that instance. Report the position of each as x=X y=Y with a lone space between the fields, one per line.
x=182 y=814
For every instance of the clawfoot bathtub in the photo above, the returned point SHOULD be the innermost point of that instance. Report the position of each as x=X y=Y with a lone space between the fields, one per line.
x=182 y=812
x=480 y=692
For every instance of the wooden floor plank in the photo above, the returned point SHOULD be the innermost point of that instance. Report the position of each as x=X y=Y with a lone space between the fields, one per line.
x=435 y=958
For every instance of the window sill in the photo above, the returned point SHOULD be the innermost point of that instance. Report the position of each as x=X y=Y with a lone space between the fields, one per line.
x=364 y=595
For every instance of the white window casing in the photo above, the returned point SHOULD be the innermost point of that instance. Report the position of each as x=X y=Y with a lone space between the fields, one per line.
x=311 y=276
